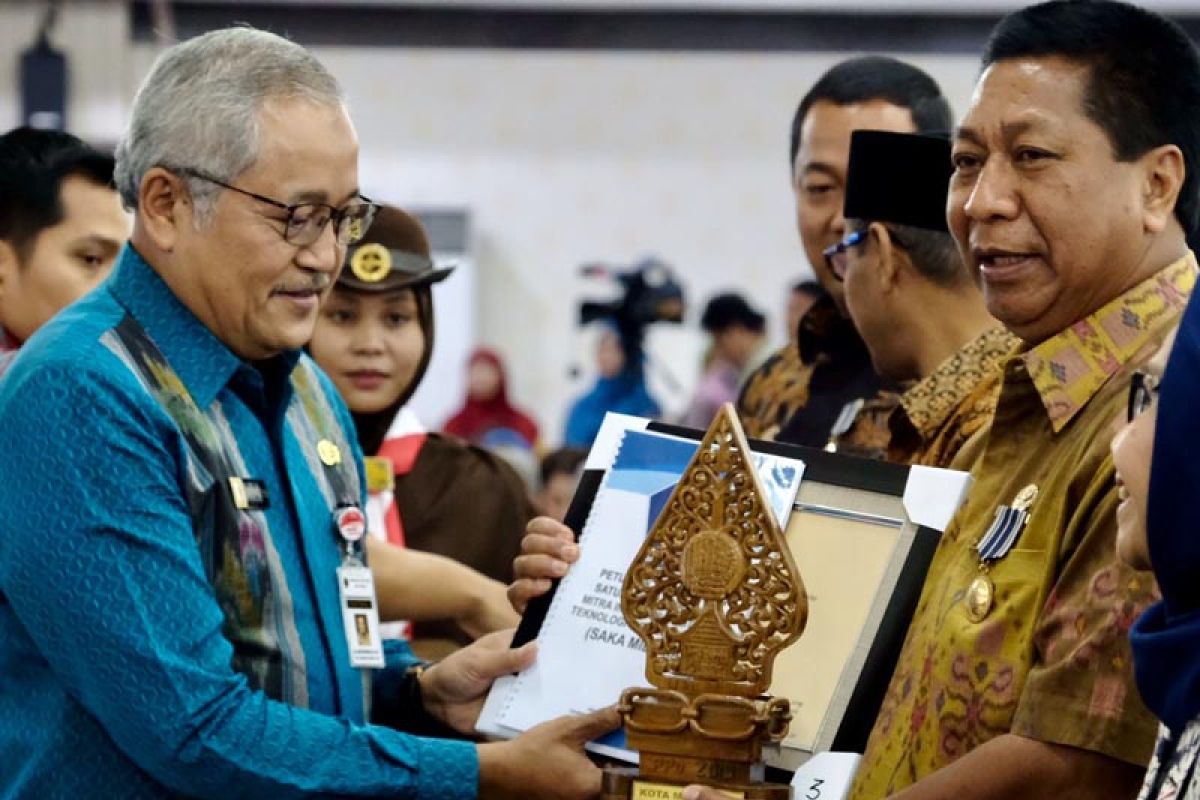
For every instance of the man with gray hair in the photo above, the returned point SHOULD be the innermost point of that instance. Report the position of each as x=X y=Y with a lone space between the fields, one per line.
x=201 y=621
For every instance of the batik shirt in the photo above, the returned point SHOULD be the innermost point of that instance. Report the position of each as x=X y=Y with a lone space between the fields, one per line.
x=1051 y=659
x=869 y=432
x=937 y=415
x=773 y=393
x=799 y=393
x=143 y=653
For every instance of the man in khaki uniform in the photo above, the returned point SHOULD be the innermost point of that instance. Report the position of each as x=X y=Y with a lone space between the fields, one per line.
x=1074 y=191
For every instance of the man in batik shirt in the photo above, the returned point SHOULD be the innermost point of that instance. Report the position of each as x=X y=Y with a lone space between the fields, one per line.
x=809 y=391
x=1072 y=196
x=911 y=296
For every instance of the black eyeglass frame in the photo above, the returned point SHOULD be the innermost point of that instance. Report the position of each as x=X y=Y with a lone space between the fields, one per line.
x=304 y=231
x=1143 y=388
x=835 y=255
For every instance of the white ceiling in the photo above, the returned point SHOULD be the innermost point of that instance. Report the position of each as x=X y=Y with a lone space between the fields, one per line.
x=827 y=6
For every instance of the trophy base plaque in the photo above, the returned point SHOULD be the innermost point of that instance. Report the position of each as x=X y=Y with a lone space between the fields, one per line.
x=626 y=784
x=713 y=740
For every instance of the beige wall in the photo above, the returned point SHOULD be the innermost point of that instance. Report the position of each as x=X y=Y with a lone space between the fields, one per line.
x=561 y=157
x=95 y=37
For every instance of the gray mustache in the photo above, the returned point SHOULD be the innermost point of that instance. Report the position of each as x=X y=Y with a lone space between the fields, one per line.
x=319 y=282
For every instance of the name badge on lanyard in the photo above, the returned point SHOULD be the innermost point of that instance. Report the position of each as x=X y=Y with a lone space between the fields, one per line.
x=356 y=588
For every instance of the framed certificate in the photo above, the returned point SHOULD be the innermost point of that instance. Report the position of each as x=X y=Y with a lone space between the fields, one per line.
x=863 y=562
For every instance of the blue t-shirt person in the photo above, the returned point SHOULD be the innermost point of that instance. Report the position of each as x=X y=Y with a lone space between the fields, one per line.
x=620 y=387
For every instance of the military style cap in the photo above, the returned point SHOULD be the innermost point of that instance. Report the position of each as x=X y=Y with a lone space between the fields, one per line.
x=898 y=177
x=395 y=254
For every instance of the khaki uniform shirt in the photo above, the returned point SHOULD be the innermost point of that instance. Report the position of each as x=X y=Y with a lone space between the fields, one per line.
x=1051 y=659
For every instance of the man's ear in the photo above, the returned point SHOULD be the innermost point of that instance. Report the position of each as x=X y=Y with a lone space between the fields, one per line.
x=1163 y=175
x=164 y=205
x=887 y=271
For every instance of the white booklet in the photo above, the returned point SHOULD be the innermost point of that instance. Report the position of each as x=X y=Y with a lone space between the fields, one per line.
x=587 y=655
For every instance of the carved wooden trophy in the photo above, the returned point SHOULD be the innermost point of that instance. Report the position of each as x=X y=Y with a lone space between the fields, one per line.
x=715 y=596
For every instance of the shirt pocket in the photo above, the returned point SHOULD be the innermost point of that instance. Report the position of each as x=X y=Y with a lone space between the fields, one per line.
x=1017 y=586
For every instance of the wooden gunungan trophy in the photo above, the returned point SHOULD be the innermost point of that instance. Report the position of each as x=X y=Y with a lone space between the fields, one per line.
x=715 y=596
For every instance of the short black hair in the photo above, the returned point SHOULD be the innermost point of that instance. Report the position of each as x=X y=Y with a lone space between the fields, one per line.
x=563 y=461
x=1143 y=86
x=866 y=78
x=33 y=165
x=808 y=287
x=934 y=254
x=725 y=310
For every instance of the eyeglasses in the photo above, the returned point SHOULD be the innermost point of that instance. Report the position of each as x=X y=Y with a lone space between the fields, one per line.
x=1142 y=390
x=306 y=221
x=835 y=255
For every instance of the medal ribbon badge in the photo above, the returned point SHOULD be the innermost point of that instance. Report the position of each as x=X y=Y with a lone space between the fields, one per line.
x=995 y=545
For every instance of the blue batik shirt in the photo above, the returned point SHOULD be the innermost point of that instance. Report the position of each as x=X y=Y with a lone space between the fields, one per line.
x=135 y=659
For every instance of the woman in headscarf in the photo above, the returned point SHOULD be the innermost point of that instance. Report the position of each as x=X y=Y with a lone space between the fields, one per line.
x=375 y=337
x=488 y=415
x=620 y=387
x=1159 y=527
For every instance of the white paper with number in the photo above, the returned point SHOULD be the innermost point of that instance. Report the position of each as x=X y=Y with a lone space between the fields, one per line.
x=825 y=776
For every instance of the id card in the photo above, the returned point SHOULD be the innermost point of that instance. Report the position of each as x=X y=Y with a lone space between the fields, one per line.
x=360 y=616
